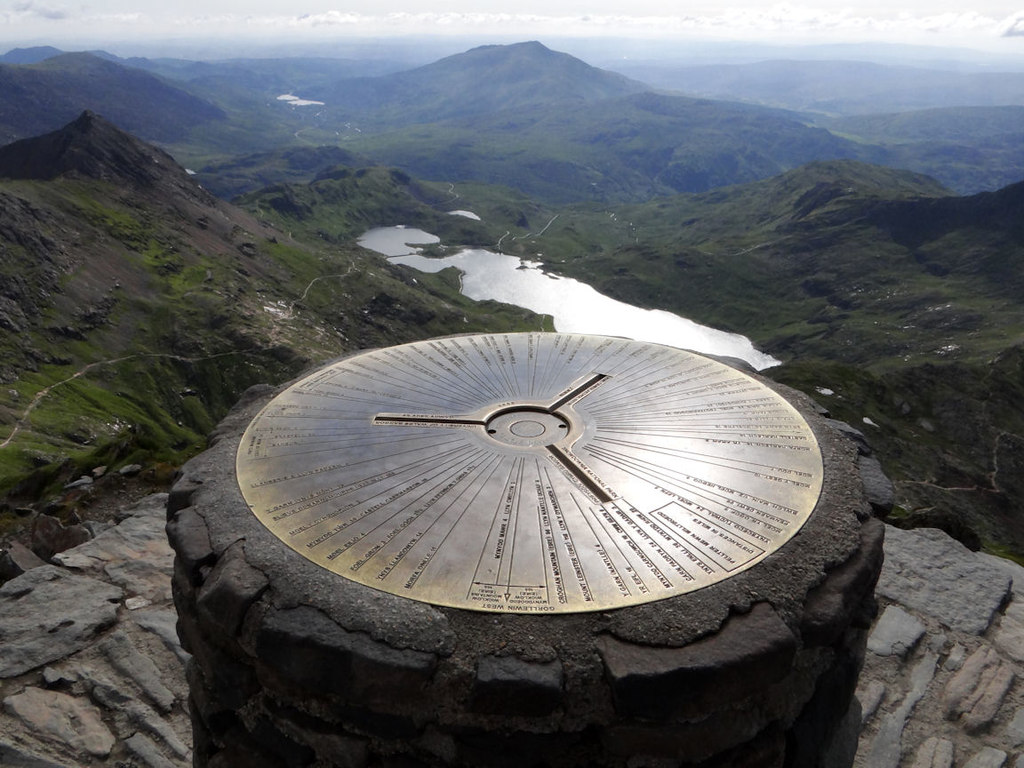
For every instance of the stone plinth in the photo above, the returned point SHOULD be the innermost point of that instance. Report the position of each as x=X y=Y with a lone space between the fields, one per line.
x=295 y=666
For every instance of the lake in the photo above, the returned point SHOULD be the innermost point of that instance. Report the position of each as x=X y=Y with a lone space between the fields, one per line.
x=576 y=307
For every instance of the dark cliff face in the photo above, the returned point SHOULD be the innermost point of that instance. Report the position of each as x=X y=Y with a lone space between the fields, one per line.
x=93 y=148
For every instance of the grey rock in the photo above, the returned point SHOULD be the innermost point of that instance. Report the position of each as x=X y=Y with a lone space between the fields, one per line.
x=934 y=753
x=748 y=653
x=130 y=470
x=871 y=699
x=134 y=554
x=988 y=757
x=1015 y=729
x=63 y=719
x=190 y=539
x=877 y=487
x=126 y=659
x=58 y=678
x=147 y=751
x=896 y=633
x=83 y=482
x=509 y=685
x=832 y=605
x=49 y=536
x=1010 y=637
x=96 y=527
x=14 y=756
x=976 y=692
x=110 y=696
x=16 y=559
x=47 y=614
x=162 y=622
x=935 y=575
x=314 y=652
x=854 y=434
x=886 y=748
x=1014 y=570
x=229 y=591
x=955 y=660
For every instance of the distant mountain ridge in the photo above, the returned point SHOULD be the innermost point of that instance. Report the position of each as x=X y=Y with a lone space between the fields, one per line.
x=43 y=96
x=482 y=80
x=834 y=87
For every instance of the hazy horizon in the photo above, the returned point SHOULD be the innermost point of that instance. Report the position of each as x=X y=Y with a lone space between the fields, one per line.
x=984 y=32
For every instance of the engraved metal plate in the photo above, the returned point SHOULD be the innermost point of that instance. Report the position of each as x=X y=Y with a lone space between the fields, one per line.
x=531 y=473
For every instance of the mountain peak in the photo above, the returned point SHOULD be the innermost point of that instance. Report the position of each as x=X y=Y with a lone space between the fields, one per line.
x=90 y=147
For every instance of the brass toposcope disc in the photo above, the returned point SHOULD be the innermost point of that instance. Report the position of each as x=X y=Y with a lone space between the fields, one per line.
x=531 y=473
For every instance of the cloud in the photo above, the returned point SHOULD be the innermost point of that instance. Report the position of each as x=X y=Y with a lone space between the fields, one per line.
x=40 y=11
x=783 y=22
x=1014 y=26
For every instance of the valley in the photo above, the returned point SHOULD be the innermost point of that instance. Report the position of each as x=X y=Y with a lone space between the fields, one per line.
x=879 y=257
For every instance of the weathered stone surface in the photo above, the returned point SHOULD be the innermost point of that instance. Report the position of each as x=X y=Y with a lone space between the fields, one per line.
x=314 y=652
x=114 y=698
x=48 y=613
x=49 y=536
x=750 y=652
x=929 y=572
x=133 y=554
x=190 y=539
x=162 y=622
x=146 y=750
x=16 y=559
x=85 y=481
x=988 y=757
x=1015 y=729
x=956 y=658
x=870 y=698
x=63 y=719
x=509 y=685
x=896 y=633
x=126 y=658
x=832 y=605
x=886 y=747
x=14 y=756
x=977 y=691
x=934 y=753
x=1010 y=637
x=229 y=591
x=877 y=487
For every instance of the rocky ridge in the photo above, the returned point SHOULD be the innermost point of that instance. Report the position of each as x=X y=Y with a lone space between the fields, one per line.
x=92 y=673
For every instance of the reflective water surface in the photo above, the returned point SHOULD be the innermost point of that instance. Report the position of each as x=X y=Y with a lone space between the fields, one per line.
x=576 y=307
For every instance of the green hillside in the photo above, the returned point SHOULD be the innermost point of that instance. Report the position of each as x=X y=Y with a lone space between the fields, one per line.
x=136 y=308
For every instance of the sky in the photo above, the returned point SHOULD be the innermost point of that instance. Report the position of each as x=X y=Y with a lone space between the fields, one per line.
x=986 y=25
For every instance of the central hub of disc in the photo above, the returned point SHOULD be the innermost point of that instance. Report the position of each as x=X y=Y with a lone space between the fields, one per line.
x=527 y=428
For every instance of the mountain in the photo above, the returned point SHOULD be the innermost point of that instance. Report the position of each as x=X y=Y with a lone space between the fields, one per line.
x=91 y=147
x=619 y=149
x=30 y=55
x=487 y=79
x=41 y=97
x=135 y=307
x=835 y=87
x=969 y=149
